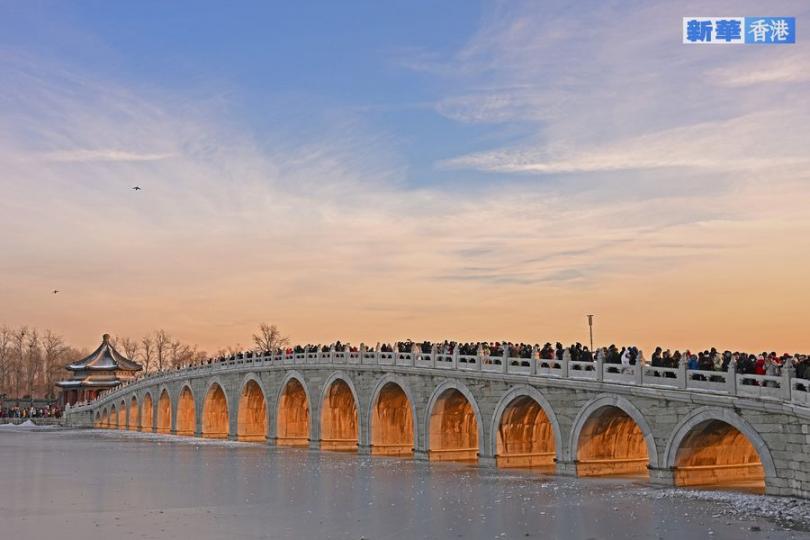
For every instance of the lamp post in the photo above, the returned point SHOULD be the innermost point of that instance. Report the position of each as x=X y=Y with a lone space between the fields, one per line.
x=590 y=329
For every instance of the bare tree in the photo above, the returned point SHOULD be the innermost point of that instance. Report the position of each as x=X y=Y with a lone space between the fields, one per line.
x=181 y=354
x=130 y=347
x=5 y=358
x=147 y=352
x=18 y=343
x=54 y=351
x=163 y=342
x=269 y=338
x=32 y=363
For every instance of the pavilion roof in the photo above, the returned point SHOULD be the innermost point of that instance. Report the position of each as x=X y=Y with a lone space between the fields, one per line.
x=105 y=358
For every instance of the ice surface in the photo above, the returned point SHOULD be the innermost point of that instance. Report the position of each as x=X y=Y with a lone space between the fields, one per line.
x=108 y=484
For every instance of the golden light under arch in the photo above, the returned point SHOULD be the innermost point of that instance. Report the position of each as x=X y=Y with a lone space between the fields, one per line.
x=525 y=436
x=186 y=416
x=611 y=443
x=215 y=413
x=453 y=428
x=164 y=413
x=122 y=415
x=132 y=425
x=715 y=453
x=146 y=412
x=339 y=420
x=251 y=423
x=392 y=422
x=292 y=422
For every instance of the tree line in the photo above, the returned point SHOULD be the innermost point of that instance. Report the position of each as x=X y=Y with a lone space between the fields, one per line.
x=32 y=361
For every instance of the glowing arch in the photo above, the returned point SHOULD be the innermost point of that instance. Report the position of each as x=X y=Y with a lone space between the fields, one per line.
x=251 y=417
x=446 y=450
x=400 y=436
x=122 y=415
x=510 y=399
x=132 y=414
x=340 y=414
x=164 y=412
x=186 y=414
x=147 y=412
x=729 y=463
x=633 y=463
x=293 y=425
x=215 y=420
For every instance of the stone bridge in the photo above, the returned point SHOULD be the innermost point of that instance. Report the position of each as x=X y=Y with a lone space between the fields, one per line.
x=673 y=426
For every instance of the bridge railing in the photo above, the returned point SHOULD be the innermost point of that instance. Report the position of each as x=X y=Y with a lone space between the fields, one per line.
x=784 y=387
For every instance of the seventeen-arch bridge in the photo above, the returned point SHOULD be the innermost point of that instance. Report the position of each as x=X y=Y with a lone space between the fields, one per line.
x=676 y=427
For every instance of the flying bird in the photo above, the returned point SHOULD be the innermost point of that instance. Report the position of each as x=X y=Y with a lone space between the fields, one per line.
x=55 y=291
x=136 y=188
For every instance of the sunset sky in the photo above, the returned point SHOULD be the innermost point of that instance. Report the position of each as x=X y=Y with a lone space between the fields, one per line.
x=373 y=171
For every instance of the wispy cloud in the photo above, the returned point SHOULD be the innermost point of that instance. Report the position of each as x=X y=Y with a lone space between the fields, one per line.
x=84 y=156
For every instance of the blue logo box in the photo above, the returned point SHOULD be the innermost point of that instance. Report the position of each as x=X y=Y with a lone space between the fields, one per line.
x=739 y=30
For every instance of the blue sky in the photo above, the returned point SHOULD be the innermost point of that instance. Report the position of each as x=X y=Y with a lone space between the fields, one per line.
x=415 y=167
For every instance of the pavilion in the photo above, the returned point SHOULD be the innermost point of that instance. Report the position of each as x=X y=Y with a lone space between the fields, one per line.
x=105 y=368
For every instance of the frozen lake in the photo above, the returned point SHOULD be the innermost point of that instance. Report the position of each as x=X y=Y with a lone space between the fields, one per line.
x=102 y=484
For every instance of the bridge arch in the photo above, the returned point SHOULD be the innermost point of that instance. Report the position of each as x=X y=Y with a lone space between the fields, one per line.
x=147 y=411
x=340 y=418
x=105 y=418
x=164 y=412
x=391 y=418
x=293 y=404
x=449 y=431
x=610 y=436
x=251 y=417
x=132 y=416
x=113 y=417
x=122 y=415
x=185 y=411
x=215 y=419
x=97 y=422
x=525 y=431
x=716 y=447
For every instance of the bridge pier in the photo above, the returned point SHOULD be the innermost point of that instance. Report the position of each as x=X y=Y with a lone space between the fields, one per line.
x=662 y=476
x=420 y=455
x=567 y=468
x=364 y=450
x=487 y=462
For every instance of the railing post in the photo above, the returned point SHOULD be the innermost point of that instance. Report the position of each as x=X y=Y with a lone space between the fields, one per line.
x=731 y=380
x=682 y=373
x=564 y=363
x=479 y=357
x=433 y=353
x=600 y=363
x=505 y=358
x=638 y=374
x=332 y=354
x=786 y=383
x=455 y=357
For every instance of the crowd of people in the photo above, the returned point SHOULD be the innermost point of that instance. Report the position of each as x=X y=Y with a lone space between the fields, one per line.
x=30 y=412
x=548 y=354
